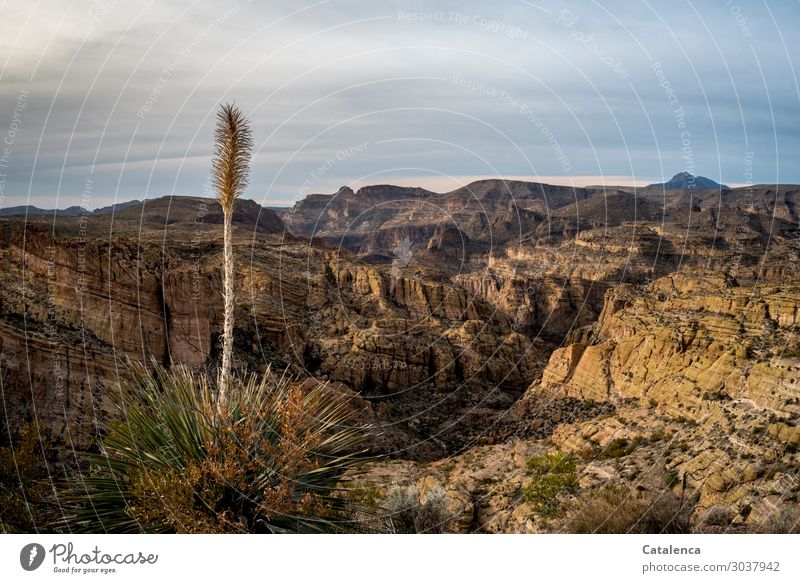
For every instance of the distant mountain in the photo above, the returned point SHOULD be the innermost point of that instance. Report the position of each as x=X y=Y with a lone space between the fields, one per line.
x=684 y=180
x=380 y=207
x=73 y=211
x=195 y=211
x=167 y=210
x=116 y=207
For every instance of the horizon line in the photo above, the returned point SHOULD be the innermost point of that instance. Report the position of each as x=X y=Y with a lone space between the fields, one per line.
x=435 y=184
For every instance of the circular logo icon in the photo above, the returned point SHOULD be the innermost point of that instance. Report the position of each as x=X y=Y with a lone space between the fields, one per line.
x=31 y=556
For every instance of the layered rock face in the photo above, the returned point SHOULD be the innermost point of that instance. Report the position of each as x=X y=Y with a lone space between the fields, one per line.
x=723 y=360
x=80 y=296
x=650 y=336
x=423 y=350
x=688 y=384
x=544 y=255
x=488 y=212
x=73 y=311
x=683 y=341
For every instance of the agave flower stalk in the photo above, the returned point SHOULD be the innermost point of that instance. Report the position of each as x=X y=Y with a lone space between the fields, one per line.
x=230 y=170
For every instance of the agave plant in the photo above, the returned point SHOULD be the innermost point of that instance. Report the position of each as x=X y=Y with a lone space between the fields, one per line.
x=271 y=464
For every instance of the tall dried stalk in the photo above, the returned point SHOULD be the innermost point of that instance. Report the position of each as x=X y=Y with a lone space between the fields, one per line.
x=230 y=169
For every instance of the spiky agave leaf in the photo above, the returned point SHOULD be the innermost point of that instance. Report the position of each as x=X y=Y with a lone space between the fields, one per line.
x=163 y=426
x=273 y=463
x=312 y=425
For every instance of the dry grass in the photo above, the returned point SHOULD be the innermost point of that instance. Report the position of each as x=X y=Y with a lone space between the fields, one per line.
x=614 y=509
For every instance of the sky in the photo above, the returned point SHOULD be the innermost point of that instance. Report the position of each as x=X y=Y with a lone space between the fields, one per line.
x=106 y=101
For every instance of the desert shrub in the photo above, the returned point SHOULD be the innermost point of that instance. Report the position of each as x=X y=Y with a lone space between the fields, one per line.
x=402 y=503
x=620 y=447
x=405 y=514
x=269 y=462
x=781 y=521
x=671 y=478
x=24 y=486
x=720 y=516
x=614 y=509
x=553 y=474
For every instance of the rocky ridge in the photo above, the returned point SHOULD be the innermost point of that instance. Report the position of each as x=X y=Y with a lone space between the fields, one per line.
x=650 y=336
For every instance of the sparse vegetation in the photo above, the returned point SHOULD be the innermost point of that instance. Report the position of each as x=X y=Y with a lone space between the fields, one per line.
x=405 y=514
x=671 y=478
x=718 y=516
x=554 y=474
x=620 y=447
x=782 y=521
x=23 y=481
x=616 y=509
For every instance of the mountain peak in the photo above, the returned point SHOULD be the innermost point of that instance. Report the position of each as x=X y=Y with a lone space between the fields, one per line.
x=684 y=180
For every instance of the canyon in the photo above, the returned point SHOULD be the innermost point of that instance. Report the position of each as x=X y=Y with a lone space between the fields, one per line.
x=652 y=335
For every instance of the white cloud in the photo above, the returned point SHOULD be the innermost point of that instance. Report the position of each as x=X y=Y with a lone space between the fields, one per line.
x=133 y=86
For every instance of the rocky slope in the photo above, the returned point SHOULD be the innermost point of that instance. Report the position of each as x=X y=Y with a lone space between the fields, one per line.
x=650 y=337
x=687 y=387
x=376 y=219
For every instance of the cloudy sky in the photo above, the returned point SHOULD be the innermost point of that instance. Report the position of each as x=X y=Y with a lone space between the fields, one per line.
x=110 y=100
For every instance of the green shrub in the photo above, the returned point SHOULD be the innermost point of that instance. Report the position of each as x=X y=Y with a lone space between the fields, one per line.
x=364 y=494
x=365 y=512
x=620 y=447
x=671 y=478
x=553 y=474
